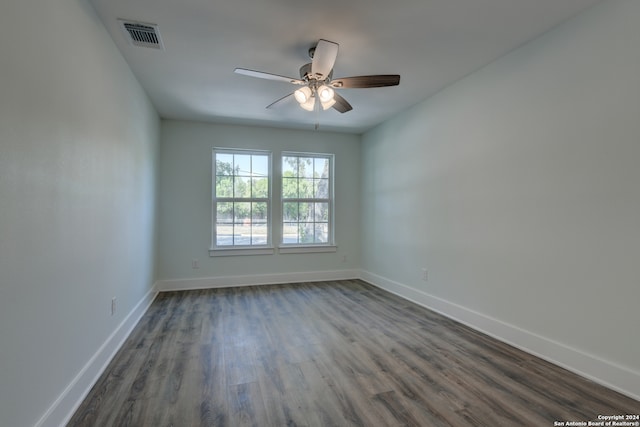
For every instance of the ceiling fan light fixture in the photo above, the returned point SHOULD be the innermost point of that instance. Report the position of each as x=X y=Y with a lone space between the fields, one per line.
x=325 y=93
x=309 y=104
x=328 y=104
x=302 y=95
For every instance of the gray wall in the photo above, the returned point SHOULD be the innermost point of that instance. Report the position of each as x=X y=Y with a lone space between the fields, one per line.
x=78 y=160
x=185 y=201
x=518 y=188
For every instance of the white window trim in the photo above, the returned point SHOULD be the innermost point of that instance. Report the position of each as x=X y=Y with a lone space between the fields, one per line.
x=266 y=249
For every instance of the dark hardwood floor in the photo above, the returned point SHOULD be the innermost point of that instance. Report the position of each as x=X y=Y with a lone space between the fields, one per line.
x=327 y=354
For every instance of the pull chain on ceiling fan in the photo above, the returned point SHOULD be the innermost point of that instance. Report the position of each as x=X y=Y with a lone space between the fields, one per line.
x=316 y=79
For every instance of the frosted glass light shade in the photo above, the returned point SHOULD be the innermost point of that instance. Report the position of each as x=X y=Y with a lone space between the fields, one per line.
x=302 y=95
x=325 y=93
x=328 y=104
x=309 y=104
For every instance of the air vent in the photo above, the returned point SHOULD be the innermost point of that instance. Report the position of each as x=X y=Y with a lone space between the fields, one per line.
x=142 y=34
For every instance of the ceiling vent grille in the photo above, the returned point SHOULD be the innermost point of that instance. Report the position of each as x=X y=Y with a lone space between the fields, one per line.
x=141 y=34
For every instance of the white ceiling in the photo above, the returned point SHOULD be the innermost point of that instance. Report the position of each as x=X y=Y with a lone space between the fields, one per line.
x=430 y=43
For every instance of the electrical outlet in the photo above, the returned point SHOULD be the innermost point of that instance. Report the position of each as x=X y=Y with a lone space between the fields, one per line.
x=113 y=305
x=195 y=264
x=425 y=274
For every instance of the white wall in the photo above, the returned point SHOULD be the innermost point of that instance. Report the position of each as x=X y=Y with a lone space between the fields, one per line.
x=519 y=189
x=185 y=204
x=78 y=158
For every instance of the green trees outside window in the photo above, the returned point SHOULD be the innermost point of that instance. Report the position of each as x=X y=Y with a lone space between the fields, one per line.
x=241 y=198
x=306 y=199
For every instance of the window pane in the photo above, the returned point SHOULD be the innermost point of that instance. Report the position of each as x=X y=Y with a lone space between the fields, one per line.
x=259 y=212
x=305 y=167
x=322 y=233
x=259 y=234
x=224 y=186
x=321 y=188
x=242 y=164
x=321 y=168
x=260 y=187
x=290 y=211
x=289 y=166
x=260 y=166
x=305 y=231
x=306 y=188
x=224 y=164
x=242 y=234
x=224 y=213
x=224 y=224
x=224 y=234
x=321 y=213
x=305 y=211
x=290 y=232
x=259 y=226
x=242 y=213
x=241 y=187
x=259 y=239
x=289 y=188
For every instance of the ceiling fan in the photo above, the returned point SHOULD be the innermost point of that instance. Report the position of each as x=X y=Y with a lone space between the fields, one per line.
x=318 y=84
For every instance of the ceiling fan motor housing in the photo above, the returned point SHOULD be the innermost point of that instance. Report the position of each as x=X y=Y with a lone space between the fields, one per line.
x=305 y=73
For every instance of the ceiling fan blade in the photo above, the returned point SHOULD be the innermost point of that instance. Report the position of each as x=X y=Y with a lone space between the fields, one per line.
x=341 y=104
x=324 y=57
x=366 y=81
x=280 y=102
x=268 y=76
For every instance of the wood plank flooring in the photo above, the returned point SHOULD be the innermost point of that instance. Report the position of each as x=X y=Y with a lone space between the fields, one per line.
x=338 y=353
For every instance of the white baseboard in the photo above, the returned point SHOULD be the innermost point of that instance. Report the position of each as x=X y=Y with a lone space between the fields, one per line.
x=255 y=279
x=609 y=374
x=61 y=411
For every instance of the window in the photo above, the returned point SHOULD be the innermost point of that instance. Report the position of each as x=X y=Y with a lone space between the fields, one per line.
x=307 y=199
x=241 y=200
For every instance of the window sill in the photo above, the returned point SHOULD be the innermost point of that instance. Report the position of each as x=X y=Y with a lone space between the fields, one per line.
x=306 y=249
x=241 y=251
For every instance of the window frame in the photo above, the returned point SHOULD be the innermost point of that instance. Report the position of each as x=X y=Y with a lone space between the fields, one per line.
x=306 y=247
x=244 y=249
